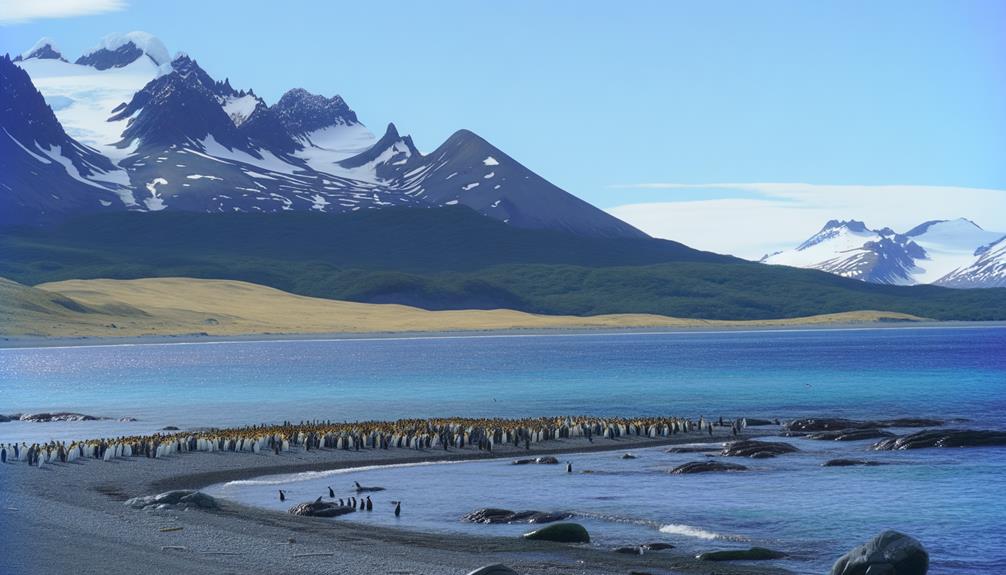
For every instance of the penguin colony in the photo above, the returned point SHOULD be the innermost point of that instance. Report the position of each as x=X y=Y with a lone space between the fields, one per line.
x=417 y=434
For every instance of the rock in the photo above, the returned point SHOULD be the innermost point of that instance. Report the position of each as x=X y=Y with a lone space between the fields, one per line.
x=495 y=515
x=628 y=456
x=494 y=569
x=180 y=499
x=942 y=438
x=849 y=462
x=703 y=449
x=321 y=509
x=657 y=546
x=757 y=449
x=706 y=466
x=849 y=434
x=61 y=416
x=752 y=554
x=547 y=460
x=890 y=553
x=169 y=428
x=755 y=422
x=629 y=550
x=6 y=418
x=560 y=532
x=837 y=424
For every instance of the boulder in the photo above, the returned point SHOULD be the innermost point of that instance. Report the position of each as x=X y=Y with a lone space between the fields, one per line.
x=657 y=546
x=547 y=460
x=849 y=462
x=628 y=456
x=890 y=553
x=837 y=424
x=561 y=533
x=494 y=569
x=495 y=515
x=696 y=449
x=706 y=466
x=179 y=499
x=757 y=449
x=637 y=550
x=752 y=554
x=755 y=422
x=849 y=434
x=169 y=428
x=321 y=509
x=943 y=438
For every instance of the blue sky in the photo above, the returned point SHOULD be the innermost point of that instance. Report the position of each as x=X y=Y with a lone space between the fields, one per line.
x=601 y=96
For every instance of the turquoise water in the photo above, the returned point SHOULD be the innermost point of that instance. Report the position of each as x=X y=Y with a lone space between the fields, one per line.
x=951 y=499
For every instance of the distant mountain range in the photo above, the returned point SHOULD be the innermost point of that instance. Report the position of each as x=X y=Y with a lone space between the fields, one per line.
x=125 y=128
x=952 y=253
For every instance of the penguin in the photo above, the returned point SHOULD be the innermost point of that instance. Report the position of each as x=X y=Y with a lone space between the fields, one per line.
x=331 y=494
x=282 y=496
x=370 y=504
x=353 y=502
x=398 y=509
x=341 y=503
x=569 y=467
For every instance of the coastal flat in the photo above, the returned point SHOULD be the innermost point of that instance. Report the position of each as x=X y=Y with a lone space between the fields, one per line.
x=184 y=306
x=71 y=513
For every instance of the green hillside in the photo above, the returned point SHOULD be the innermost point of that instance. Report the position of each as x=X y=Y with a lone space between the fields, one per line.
x=452 y=258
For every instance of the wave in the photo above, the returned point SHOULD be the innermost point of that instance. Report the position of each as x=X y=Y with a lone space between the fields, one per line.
x=689 y=531
x=310 y=475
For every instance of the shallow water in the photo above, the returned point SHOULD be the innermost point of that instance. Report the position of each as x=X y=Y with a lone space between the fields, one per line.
x=790 y=503
x=854 y=373
x=950 y=499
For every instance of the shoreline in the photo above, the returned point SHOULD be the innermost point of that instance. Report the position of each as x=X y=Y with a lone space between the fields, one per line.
x=84 y=499
x=32 y=342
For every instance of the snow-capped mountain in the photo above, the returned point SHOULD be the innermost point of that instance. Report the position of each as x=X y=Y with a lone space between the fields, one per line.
x=179 y=139
x=44 y=173
x=44 y=49
x=121 y=50
x=955 y=253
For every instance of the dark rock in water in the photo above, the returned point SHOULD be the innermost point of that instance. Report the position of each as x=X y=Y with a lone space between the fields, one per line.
x=757 y=449
x=849 y=434
x=61 y=416
x=703 y=449
x=628 y=456
x=169 y=428
x=752 y=554
x=494 y=569
x=657 y=546
x=548 y=460
x=706 y=466
x=561 y=533
x=180 y=499
x=849 y=462
x=6 y=418
x=754 y=422
x=321 y=509
x=943 y=438
x=495 y=515
x=890 y=553
x=837 y=424
x=629 y=550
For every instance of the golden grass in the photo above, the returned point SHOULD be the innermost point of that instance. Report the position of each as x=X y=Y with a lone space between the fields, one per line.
x=176 y=306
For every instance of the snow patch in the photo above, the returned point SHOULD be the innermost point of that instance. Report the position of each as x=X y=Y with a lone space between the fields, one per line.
x=490 y=161
x=147 y=43
x=155 y=202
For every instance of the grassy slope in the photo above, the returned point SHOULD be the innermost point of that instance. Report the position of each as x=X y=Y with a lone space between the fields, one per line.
x=171 y=306
x=455 y=259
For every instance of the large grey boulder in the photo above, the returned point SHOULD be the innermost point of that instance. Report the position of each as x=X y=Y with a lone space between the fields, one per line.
x=757 y=449
x=179 y=499
x=560 y=532
x=321 y=509
x=706 y=467
x=890 y=553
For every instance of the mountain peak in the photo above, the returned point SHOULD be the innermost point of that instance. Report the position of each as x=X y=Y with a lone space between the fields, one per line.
x=44 y=49
x=302 y=112
x=119 y=50
x=852 y=225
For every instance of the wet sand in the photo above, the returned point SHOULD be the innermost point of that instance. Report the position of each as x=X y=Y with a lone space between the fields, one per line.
x=70 y=518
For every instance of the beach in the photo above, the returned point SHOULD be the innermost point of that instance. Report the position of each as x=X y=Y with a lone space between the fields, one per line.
x=71 y=518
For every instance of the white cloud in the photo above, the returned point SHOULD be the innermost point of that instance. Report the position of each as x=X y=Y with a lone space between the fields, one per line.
x=780 y=216
x=21 y=11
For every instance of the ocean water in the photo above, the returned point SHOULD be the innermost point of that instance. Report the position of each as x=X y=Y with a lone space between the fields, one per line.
x=950 y=499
